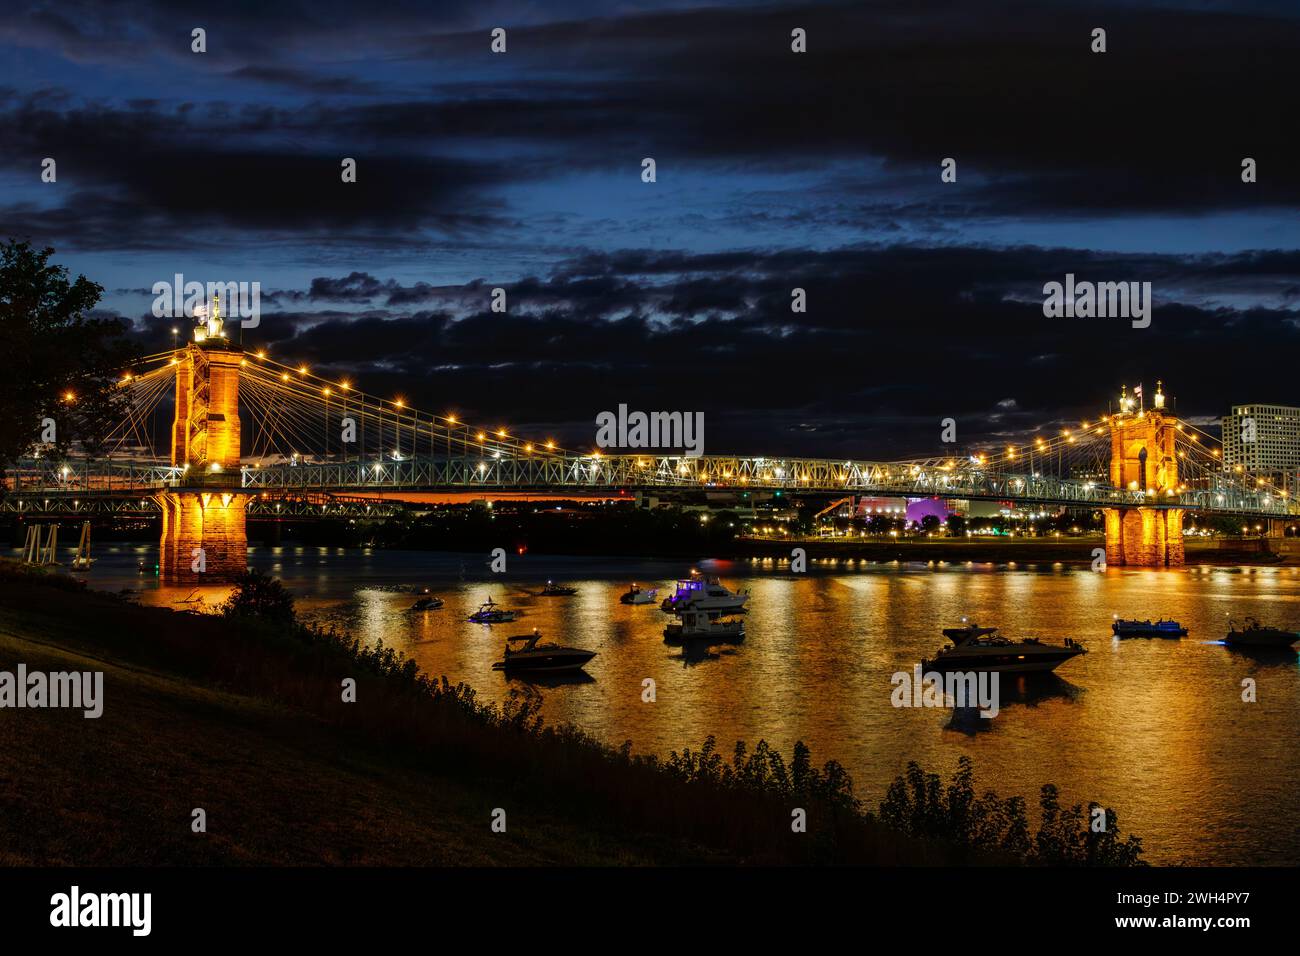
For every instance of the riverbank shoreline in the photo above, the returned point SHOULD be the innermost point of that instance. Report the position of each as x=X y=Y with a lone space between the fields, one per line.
x=1071 y=551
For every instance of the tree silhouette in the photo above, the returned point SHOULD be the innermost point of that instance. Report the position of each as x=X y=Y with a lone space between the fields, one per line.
x=62 y=365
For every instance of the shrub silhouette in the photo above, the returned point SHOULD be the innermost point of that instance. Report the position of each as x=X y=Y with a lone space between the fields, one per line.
x=917 y=804
x=257 y=595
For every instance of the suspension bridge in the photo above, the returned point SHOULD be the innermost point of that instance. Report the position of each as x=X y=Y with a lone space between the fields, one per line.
x=214 y=434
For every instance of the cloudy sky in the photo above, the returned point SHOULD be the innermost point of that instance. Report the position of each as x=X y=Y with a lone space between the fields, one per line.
x=775 y=170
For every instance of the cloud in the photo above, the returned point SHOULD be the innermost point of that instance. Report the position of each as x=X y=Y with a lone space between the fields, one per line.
x=895 y=340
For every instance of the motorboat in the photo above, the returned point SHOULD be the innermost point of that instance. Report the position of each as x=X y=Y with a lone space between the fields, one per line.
x=490 y=612
x=969 y=629
x=537 y=657
x=992 y=652
x=638 y=595
x=558 y=590
x=698 y=625
x=704 y=593
x=1253 y=634
x=426 y=604
x=1161 y=628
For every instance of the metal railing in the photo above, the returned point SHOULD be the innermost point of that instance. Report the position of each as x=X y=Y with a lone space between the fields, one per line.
x=33 y=481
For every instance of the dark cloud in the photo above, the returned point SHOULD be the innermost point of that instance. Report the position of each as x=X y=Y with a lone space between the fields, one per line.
x=1039 y=125
x=303 y=81
x=895 y=339
x=776 y=171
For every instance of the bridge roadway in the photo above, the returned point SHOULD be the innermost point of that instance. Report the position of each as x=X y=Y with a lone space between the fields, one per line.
x=352 y=487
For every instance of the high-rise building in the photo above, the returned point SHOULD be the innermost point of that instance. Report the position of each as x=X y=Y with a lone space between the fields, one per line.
x=1264 y=440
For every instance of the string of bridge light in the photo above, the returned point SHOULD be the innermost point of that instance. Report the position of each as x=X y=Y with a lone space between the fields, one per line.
x=297 y=381
x=1193 y=440
x=301 y=382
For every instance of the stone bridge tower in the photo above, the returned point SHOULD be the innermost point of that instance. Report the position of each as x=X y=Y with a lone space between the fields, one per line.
x=1143 y=458
x=203 y=531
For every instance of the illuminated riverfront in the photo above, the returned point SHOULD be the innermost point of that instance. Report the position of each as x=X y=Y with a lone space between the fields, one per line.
x=1142 y=724
x=631 y=444
x=1159 y=466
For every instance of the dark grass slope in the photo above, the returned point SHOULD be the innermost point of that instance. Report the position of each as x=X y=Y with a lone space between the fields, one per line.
x=247 y=722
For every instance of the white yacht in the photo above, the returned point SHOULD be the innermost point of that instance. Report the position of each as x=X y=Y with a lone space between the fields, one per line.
x=705 y=593
x=639 y=595
x=700 y=626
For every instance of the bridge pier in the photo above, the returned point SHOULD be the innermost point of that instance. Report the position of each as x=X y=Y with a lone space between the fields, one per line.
x=204 y=532
x=1144 y=537
x=204 y=537
x=1144 y=458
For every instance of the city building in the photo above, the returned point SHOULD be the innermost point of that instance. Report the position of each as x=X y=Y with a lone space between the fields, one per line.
x=1264 y=440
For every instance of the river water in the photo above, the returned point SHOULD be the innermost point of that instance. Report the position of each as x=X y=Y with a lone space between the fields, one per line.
x=1155 y=729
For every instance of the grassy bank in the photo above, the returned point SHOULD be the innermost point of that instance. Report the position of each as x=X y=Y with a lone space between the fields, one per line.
x=246 y=720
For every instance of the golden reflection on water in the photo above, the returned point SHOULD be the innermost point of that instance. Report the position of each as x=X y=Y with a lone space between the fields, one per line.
x=1154 y=728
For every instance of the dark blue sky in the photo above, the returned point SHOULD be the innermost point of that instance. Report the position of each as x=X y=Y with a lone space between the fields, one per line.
x=775 y=170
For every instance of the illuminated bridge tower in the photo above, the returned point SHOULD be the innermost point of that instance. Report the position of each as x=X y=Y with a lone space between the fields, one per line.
x=1143 y=458
x=203 y=532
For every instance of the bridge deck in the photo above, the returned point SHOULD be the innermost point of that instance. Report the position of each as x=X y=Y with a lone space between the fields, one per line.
x=32 y=486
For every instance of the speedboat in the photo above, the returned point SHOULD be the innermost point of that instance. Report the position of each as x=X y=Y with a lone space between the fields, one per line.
x=426 y=604
x=704 y=593
x=992 y=652
x=635 y=595
x=1160 y=628
x=491 y=613
x=969 y=629
x=700 y=626
x=558 y=590
x=1253 y=634
x=550 y=658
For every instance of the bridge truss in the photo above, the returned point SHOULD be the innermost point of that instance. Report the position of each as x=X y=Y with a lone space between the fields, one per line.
x=323 y=447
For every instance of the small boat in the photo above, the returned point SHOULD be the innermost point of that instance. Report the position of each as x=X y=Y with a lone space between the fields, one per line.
x=700 y=626
x=704 y=593
x=993 y=652
x=1161 y=628
x=490 y=612
x=1253 y=634
x=548 y=658
x=969 y=629
x=637 y=595
x=558 y=590
x=426 y=604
